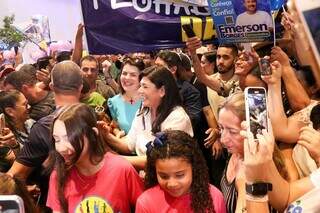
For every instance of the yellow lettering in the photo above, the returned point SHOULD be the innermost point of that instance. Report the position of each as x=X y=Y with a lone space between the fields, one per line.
x=209 y=30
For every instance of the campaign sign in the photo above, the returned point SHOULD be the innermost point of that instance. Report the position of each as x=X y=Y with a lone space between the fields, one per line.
x=242 y=21
x=124 y=26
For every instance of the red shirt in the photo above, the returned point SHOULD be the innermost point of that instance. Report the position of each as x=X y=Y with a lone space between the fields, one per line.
x=156 y=200
x=114 y=188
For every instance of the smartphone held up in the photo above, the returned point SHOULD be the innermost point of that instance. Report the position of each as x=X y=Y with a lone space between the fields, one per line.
x=188 y=30
x=256 y=109
x=11 y=203
x=264 y=65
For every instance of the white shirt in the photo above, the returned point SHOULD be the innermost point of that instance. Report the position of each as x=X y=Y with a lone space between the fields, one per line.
x=139 y=136
x=260 y=17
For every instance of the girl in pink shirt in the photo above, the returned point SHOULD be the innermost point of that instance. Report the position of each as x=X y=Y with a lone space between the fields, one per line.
x=177 y=177
x=87 y=178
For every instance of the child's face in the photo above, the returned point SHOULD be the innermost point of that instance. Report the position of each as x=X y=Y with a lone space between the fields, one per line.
x=174 y=175
x=62 y=143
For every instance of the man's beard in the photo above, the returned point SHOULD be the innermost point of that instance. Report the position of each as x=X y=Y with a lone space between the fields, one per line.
x=225 y=69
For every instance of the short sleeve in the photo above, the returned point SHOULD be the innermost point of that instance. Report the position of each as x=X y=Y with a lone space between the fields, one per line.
x=178 y=120
x=36 y=151
x=140 y=206
x=112 y=108
x=52 y=200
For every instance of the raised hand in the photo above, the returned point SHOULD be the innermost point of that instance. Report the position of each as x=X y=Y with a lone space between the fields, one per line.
x=310 y=139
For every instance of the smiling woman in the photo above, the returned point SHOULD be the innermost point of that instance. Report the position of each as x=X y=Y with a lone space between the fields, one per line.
x=161 y=110
x=81 y=177
x=14 y=107
x=124 y=106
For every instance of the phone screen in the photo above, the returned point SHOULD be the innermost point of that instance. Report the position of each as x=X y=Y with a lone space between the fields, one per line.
x=313 y=21
x=11 y=203
x=265 y=68
x=256 y=109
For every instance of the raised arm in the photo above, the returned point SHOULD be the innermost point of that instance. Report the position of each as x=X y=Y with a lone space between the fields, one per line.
x=285 y=130
x=259 y=166
x=193 y=44
x=78 y=45
x=297 y=96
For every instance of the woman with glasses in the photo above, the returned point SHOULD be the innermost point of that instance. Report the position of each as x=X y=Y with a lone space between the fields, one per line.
x=16 y=125
x=124 y=106
x=230 y=115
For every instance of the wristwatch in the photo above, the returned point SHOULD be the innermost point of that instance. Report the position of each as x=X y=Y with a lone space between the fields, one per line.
x=258 y=188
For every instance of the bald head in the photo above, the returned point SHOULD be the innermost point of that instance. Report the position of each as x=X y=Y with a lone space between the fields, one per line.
x=66 y=76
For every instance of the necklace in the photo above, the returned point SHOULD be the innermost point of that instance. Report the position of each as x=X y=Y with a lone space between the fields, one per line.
x=129 y=99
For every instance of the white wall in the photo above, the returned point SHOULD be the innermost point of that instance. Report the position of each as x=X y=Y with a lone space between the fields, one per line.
x=63 y=15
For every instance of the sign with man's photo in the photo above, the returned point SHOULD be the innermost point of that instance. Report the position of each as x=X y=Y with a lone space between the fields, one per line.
x=242 y=21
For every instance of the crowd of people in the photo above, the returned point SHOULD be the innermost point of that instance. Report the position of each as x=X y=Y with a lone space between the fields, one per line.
x=163 y=131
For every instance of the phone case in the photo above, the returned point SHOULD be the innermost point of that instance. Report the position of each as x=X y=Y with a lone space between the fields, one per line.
x=11 y=203
x=256 y=109
x=189 y=31
x=2 y=123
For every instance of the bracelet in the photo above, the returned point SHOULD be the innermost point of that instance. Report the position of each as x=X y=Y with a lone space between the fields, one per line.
x=315 y=178
x=259 y=199
x=15 y=146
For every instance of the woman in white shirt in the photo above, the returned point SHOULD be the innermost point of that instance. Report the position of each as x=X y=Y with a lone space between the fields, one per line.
x=161 y=110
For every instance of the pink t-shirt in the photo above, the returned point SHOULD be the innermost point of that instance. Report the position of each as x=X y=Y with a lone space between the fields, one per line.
x=156 y=200
x=114 y=188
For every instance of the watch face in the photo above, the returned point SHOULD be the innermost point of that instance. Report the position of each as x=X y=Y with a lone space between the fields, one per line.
x=259 y=189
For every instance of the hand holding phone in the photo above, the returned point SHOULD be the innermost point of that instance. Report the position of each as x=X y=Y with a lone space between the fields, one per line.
x=2 y=124
x=264 y=65
x=189 y=31
x=256 y=109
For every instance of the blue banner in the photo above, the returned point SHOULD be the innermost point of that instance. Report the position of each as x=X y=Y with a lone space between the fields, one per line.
x=118 y=26
x=123 y=26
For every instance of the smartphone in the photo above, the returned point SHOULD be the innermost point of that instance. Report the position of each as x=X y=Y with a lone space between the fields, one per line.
x=264 y=65
x=189 y=31
x=309 y=12
x=256 y=109
x=2 y=124
x=11 y=203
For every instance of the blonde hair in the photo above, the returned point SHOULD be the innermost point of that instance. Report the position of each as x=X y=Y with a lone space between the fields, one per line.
x=236 y=104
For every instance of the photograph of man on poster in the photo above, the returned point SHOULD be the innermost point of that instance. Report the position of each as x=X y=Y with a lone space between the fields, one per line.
x=253 y=16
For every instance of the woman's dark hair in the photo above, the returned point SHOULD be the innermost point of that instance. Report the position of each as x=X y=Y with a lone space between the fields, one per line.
x=172 y=59
x=315 y=116
x=79 y=120
x=13 y=186
x=178 y=144
x=9 y=99
x=138 y=63
x=160 y=76
x=211 y=56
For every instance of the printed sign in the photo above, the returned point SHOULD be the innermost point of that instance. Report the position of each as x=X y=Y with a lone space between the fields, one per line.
x=242 y=21
x=123 y=26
